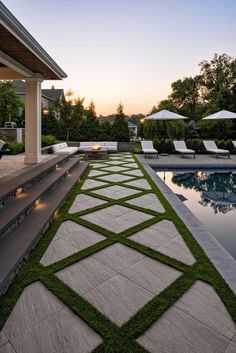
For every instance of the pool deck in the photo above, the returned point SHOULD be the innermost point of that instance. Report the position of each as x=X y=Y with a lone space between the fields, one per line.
x=223 y=261
x=119 y=272
x=201 y=160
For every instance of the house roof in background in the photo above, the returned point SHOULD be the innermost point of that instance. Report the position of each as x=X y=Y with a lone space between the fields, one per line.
x=51 y=94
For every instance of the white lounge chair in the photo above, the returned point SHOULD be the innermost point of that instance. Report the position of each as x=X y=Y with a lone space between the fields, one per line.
x=234 y=143
x=148 y=149
x=180 y=146
x=211 y=147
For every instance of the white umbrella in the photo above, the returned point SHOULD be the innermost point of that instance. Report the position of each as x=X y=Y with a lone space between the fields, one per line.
x=223 y=114
x=165 y=115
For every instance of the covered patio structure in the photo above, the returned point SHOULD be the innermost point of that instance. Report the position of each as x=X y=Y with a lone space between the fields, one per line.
x=22 y=57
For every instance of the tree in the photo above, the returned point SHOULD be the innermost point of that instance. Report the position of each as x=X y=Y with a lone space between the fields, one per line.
x=185 y=96
x=218 y=83
x=70 y=114
x=120 y=130
x=10 y=103
x=91 y=112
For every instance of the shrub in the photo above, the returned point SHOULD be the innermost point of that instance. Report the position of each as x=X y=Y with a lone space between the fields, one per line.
x=163 y=145
x=195 y=144
x=15 y=147
x=47 y=140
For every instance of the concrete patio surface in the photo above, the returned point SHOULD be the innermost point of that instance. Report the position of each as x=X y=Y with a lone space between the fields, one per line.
x=117 y=248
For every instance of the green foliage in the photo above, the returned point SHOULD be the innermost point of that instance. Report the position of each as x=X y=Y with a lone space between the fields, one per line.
x=218 y=83
x=215 y=129
x=163 y=145
x=185 y=96
x=15 y=147
x=47 y=140
x=71 y=114
x=158 y=129
x=195 y=144
x=9 y=102
x=120 y=130
x=90 y=111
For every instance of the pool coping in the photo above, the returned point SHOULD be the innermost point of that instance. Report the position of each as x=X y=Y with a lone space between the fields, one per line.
x=222 y=260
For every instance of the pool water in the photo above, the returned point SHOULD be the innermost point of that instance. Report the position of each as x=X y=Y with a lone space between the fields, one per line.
x=211 y=196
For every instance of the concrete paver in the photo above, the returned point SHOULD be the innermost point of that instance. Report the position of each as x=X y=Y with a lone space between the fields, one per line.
x=115 y=192
x=40 y=323
x=83 y=202
x=189 y=325
x=149 y=201
x=70 y=238
x=114 y=222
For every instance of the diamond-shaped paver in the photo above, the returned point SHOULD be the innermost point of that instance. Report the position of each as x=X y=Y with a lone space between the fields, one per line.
x=149 y=201
x=198 y=322
x=83 y=202
x=131 y=165
x=70 y=238
x=115 y=162
x=85 y=275
x=97 y=165
x=119 y=298
x=114 y=178
x=135 y=172
x=118 y=280
x=118 y=257
x=90 y=184
x=95 y=173
x=40 y=322
x=115 y=169
x=116 y=192
x=129 y=159
x=164 y=237
x=116 y=218
x=140 y=183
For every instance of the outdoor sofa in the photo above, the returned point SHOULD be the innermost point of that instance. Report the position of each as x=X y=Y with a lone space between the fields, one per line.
x=63 y=148
x=180 y=147
x=148 y=149
x=211 y=147
x=3 y=150
x=110 y=146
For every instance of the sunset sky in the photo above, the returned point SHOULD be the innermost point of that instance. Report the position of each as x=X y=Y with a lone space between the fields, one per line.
x=128 y=50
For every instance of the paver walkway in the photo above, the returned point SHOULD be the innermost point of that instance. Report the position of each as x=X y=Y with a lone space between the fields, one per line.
x=117 y=271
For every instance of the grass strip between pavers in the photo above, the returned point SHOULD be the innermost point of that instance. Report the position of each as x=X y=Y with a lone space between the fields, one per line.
x=117 y=339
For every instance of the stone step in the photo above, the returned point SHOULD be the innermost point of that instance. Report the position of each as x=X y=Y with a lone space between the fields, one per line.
x=9 y=185
x=19 y=207
x=15 y=248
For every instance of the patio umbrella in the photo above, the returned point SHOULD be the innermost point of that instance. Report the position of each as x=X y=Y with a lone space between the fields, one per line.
x=220 y=198
x=223 y=114
x=165 y=115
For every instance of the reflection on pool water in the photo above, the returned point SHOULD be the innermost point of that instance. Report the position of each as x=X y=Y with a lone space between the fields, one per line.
x=211 y=196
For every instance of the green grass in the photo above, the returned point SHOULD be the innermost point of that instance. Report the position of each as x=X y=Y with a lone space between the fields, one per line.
x=117 y=339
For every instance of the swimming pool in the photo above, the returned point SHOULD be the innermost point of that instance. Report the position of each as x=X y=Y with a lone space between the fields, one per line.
x=211 y=196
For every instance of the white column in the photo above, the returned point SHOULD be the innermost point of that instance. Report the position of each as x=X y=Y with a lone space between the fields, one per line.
x=33 y=120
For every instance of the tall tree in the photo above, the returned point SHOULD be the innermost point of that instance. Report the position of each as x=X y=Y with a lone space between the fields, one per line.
x=120 y=130
x=91 y=111
x=218 y=83
x=185 y=95
x=10 y=103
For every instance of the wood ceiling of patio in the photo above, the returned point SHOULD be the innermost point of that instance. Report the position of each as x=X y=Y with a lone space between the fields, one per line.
x=11 y=46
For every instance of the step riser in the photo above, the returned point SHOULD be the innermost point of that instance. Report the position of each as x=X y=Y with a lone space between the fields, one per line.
x=14 y=223
x=25 y=187
x=16 y=262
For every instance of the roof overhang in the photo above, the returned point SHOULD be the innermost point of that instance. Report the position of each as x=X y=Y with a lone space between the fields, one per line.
x=21 y=56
